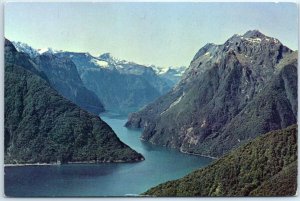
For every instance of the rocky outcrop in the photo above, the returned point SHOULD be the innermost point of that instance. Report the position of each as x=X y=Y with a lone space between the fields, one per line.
x=229 y=94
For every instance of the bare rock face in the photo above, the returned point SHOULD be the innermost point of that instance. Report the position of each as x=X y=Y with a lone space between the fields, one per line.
x=229 y=94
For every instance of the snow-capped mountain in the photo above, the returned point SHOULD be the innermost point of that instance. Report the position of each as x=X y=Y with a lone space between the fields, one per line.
x=120 y=84
x=48 y=51
x=23 y=47
x=123 y=86
x=108 y=61
x=229 y=94
x=32 y=52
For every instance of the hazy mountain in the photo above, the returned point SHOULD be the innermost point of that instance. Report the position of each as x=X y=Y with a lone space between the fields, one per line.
x=122 y=86
x=23 y=47
x=63 y=76
x=266 y=166
x=229 y=94
x=43 y=127
x=171 y=74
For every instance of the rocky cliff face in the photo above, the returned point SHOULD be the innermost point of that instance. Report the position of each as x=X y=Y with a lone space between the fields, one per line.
x=229 y=94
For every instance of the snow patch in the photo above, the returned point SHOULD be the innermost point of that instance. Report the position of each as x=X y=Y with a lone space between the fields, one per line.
x=119 y=66
x=100 y=63
x=207 y=53
x=253 y=40
x=203 y=124
x=50 y=50
x=43 y=50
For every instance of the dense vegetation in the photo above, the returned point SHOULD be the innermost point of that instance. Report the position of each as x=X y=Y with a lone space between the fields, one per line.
x=265 y=166
x=43 y=127
x=60 y=73
x=230 y=93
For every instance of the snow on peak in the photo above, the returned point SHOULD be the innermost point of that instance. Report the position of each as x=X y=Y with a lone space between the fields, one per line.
x=175 y=70
x=253 y=40
x=100 y=63
x=43 y=50
x=159 y=70
x=25 y=48
x=47 y=50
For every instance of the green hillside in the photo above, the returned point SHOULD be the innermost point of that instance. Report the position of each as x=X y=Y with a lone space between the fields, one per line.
x=43 y=127
x=265 y=166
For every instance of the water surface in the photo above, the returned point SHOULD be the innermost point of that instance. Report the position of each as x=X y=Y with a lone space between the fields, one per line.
x=109 y=179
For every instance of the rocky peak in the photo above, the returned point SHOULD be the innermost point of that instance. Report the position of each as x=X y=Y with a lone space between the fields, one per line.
x=253 y=50
x=254 y=34
x=205 y=49
x=107 y=57
x=9 y=46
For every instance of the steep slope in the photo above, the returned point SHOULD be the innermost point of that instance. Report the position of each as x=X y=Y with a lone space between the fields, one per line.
x=122 y=86
x=63 y=76
x=25 y=48
x=223 y=98
x=43 y=127
x=265 y=166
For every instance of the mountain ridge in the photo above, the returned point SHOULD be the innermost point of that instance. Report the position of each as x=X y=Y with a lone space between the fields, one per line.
x=62 y=75
x=198 y=114
x=41 y=126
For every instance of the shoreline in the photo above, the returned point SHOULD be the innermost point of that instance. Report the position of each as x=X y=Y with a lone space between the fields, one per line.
x=30 y=164
x=180 y=150
x=69 y=163
x=206 y=156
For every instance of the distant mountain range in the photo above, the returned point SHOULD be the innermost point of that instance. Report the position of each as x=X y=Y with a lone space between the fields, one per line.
x=122 y=86
x=229 y=94
x=266 y=166
x=63 y=76
x=42 y=126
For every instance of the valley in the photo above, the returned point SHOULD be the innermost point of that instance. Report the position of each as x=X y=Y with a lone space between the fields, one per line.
x=103 y=122
x=106 y=179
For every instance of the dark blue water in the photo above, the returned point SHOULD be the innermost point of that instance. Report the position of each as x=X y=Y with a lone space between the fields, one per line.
x=119 y=179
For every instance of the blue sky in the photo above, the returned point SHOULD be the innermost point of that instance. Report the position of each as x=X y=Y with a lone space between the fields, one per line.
x=164 y=34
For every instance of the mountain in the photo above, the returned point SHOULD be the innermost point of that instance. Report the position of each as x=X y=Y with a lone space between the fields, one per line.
x=145 y=72
x=122 y=86
x=32 y=53
x=23 y=47
x=41 y=126
x=63 y=76
x=171 y=74
x=229 y=94
x=265 y=166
